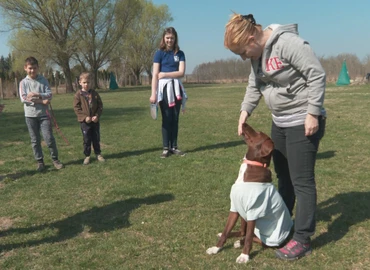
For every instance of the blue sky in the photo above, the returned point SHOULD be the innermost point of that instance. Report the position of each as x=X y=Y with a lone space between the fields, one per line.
x=331 y=26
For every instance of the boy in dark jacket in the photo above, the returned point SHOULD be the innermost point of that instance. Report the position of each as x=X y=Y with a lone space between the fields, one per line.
x=88 y=107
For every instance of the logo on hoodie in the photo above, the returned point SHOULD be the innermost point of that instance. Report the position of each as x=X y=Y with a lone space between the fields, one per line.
x=274 y=63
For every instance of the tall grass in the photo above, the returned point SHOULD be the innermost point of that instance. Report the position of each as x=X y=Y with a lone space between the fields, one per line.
x=137 y=211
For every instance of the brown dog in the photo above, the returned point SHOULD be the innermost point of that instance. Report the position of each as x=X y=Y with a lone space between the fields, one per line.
x=265 y=217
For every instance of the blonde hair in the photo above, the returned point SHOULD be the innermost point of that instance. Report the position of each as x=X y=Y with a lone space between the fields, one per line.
x=85 y=75
x=239 y=28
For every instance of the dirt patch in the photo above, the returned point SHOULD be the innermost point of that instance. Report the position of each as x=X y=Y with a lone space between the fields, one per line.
x=13 y=143
x=5 y=223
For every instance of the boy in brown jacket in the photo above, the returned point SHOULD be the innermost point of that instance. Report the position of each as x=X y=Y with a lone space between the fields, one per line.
x=88 y=107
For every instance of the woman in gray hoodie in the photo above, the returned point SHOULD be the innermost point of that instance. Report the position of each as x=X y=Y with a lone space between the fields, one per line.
x=286 y=72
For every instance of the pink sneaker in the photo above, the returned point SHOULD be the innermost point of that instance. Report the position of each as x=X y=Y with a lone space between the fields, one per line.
x=293 y=251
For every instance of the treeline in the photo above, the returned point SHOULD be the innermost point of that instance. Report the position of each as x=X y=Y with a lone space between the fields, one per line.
x=10 y=78
x=236 y=69
x=85 y=35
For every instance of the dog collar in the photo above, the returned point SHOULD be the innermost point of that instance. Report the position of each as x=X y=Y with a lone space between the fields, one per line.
x=256 y=163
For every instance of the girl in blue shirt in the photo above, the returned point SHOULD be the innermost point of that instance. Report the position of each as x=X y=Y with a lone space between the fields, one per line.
x=167 y=89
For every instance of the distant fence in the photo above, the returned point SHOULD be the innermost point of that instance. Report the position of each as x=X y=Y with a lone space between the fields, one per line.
x=9 y=89
x=144 y=80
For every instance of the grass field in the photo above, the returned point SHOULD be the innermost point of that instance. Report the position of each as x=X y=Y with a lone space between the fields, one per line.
x=137 y=211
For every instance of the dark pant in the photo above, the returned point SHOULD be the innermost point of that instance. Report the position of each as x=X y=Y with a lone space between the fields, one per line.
x=35 y=126
x=294 y=160
x=91 y=134
x=170 y=120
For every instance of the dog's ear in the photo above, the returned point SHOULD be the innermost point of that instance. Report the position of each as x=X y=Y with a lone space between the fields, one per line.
x=266 y=148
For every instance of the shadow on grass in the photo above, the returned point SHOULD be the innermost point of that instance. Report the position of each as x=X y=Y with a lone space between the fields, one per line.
x=119 y=155
x=158 y=149
x=95 y=220
x=326 y=154
x=351 y=208
x=132 y=153
x=16 y=176
x=217 y=146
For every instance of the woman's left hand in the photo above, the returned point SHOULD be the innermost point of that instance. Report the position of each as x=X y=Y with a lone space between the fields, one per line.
x=311 y=125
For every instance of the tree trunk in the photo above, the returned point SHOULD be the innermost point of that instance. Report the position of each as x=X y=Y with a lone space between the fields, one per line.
x=94 y=72
x=68 y=75
x=150 y=74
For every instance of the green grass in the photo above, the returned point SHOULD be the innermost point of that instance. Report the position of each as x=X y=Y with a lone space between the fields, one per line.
x=137 y=211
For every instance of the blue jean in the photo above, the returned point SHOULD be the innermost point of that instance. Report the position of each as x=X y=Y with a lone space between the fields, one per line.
x=170 y=120
x=294 y=160
x=35 y=126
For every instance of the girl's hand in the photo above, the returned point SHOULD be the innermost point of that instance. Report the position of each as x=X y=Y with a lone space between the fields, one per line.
x=161 y=75
x=152 y=99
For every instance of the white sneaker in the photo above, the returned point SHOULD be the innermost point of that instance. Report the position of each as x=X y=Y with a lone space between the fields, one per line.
x=100 y=158
x=165 y=153
x=86 y=160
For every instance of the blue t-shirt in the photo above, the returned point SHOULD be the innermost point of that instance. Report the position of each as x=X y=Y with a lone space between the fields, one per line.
x=168 y=61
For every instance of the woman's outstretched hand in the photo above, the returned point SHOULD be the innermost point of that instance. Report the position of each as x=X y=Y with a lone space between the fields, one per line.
x=242 y=119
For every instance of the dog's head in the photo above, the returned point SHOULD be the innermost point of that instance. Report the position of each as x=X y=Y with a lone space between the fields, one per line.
x=260 y=146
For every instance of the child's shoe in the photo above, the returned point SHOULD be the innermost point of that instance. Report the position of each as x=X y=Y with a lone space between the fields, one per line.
x=40 y=166
x=100 y=158
x=57 y=164
x=86 y=161
x=165 y=153
x=177 y=152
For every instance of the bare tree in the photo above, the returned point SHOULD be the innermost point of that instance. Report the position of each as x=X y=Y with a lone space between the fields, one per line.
x=101 y=25
x=230 y=69
x=50 y=21
x=142 y=39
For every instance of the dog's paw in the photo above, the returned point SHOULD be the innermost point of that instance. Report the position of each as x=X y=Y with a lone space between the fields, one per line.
x=219 y=235
x=237 y=244
x=213 y=250
x=243 y=258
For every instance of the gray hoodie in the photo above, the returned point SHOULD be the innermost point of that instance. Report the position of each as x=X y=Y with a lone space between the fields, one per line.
x=39 y=85
x=288 y=75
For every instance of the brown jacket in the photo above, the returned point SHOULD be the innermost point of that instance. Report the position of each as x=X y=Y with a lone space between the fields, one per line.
x=81 y=106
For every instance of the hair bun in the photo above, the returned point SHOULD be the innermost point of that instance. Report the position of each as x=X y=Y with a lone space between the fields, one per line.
x=249 y=18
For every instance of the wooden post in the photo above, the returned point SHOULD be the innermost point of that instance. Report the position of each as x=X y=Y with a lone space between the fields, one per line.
x=16 y=86
x=1 y=89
